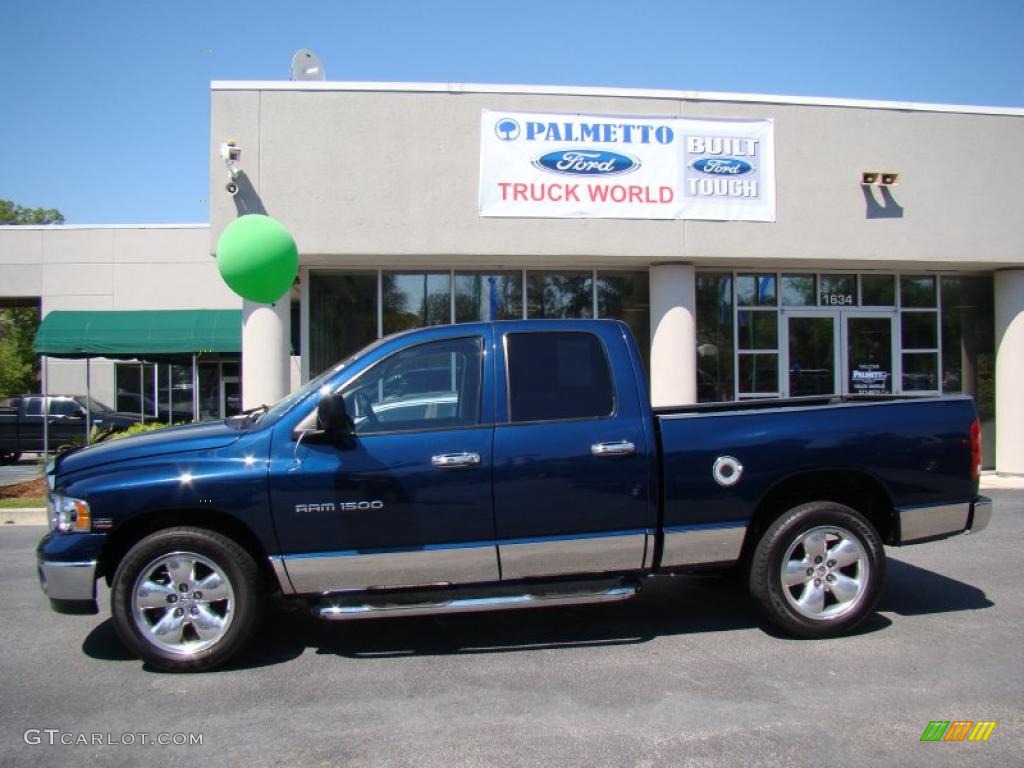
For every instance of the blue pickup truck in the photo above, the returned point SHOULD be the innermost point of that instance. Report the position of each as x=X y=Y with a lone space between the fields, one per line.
x=497 y=466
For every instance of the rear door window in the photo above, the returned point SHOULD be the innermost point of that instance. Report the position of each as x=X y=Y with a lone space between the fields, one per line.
x=558 y=375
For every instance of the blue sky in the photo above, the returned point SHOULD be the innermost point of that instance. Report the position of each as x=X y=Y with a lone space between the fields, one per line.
x=106 y=104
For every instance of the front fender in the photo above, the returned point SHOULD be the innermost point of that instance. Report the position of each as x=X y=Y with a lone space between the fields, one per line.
x=230 y=480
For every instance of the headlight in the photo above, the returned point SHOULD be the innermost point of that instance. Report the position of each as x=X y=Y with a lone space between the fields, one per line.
x=68 y=514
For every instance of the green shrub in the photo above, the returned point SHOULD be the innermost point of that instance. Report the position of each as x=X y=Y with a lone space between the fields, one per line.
x=134 y=429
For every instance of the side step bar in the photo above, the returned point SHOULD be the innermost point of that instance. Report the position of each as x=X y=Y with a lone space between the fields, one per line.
x=338 y=612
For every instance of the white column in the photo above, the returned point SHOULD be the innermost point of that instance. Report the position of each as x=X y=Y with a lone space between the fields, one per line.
x=1009 y=315
x=673 y=334
x=266 y=352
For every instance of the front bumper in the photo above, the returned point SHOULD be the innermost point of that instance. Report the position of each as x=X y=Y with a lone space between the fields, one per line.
x=71 y=587
x=66 y=565
x=930 y=522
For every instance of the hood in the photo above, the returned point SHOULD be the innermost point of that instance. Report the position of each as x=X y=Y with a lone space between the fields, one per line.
x=191 y=437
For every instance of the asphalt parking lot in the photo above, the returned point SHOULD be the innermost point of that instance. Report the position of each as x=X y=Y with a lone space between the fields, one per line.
x=24 y=469
x=684 y=675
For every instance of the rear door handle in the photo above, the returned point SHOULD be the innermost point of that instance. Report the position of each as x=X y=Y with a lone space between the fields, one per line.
x=620 y=448
x=455 y=460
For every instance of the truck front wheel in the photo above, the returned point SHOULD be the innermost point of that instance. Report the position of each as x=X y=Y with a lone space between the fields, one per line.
x=818 y=570
x=186 y=599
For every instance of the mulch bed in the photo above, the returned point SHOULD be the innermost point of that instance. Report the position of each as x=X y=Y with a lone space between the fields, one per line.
x=24 y=490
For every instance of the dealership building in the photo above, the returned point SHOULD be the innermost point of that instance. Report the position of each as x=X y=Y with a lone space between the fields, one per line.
x=758 y=246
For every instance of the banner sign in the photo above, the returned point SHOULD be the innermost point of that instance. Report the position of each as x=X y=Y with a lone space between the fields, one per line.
x=599 y=166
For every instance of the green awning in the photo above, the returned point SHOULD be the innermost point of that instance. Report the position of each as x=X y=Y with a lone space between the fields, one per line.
x=145 y=334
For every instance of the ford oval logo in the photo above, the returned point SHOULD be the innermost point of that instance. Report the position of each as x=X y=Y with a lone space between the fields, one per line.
x=722 y=166
x=586 y=162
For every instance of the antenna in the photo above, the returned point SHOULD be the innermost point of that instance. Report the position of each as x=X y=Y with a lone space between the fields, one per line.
x=306 y=66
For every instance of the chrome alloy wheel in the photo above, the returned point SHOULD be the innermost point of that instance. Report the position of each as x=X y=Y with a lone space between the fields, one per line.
x=182 y=603
x=825 y=573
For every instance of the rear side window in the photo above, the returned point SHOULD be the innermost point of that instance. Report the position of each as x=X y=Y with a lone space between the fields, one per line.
x=34 y=407
x=560 y=375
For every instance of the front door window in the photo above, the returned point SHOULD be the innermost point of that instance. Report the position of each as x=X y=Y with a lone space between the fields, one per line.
x=869 y=355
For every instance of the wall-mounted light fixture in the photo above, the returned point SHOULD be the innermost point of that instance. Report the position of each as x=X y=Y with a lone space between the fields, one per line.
x=881 y=178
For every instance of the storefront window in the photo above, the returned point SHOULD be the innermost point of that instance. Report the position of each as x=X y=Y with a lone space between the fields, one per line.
x=919 y=334
x=714 y=338
x=135 y=390
x=878 y=290
x=968 y=349
x=917 y=291
x=920 y=372
x=918 y=330
x=759 y=375
x=838 y=290
x=488 y=296
x=758 y=330
x=559 y=294
x=798 y=291
x=626 y=296
x=755 y=290
x=342 y=316
x=415 y=300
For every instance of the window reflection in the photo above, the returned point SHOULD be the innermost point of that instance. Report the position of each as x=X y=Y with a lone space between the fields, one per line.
x=626 y=296
x=714 y=338
x=413 y=300
x=342 y=316
x=488 y=296
x=559 y=294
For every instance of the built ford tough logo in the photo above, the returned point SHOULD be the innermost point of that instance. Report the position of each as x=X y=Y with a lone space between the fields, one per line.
x=722 y=166
x=586 y=162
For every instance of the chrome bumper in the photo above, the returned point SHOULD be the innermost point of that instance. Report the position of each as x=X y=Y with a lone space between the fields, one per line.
x=935 y=521
x=981 y=513
x=68 y=583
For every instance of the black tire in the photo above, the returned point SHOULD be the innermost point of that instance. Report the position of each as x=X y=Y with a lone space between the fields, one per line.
x=9 y=458
x=834 y=570
x=212 y=628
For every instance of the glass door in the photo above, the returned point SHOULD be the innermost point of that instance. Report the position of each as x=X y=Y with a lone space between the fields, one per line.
x=810 y=363
x=870 y=363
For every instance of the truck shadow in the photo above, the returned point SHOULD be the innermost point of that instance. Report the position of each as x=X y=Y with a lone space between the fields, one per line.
x=684 y=605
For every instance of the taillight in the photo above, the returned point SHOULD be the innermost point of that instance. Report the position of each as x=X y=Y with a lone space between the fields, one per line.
x=975 y=449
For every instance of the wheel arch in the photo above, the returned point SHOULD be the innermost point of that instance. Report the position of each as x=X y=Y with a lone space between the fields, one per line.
x=127 y=535
x=853 y=488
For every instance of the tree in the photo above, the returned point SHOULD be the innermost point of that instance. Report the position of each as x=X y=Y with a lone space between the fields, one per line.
x=19 y=366
x=18 y=361
x=12 y=213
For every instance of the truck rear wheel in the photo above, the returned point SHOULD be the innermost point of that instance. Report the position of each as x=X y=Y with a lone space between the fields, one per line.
x=9 y=457
x=818 y=570
x=186 y=599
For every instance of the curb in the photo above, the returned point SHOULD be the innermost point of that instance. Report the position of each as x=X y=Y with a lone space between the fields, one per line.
x=23 y=516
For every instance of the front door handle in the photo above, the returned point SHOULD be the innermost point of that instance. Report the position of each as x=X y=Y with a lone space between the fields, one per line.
x=455 y=460
x=619 y=448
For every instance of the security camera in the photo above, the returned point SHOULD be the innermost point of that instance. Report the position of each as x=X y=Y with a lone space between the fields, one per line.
x=230 y=152
x=232 y=188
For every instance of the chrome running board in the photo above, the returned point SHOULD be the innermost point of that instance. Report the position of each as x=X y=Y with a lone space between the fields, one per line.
x=335 y=611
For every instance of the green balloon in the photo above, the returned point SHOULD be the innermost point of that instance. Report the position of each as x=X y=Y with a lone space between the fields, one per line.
x=257 y=258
